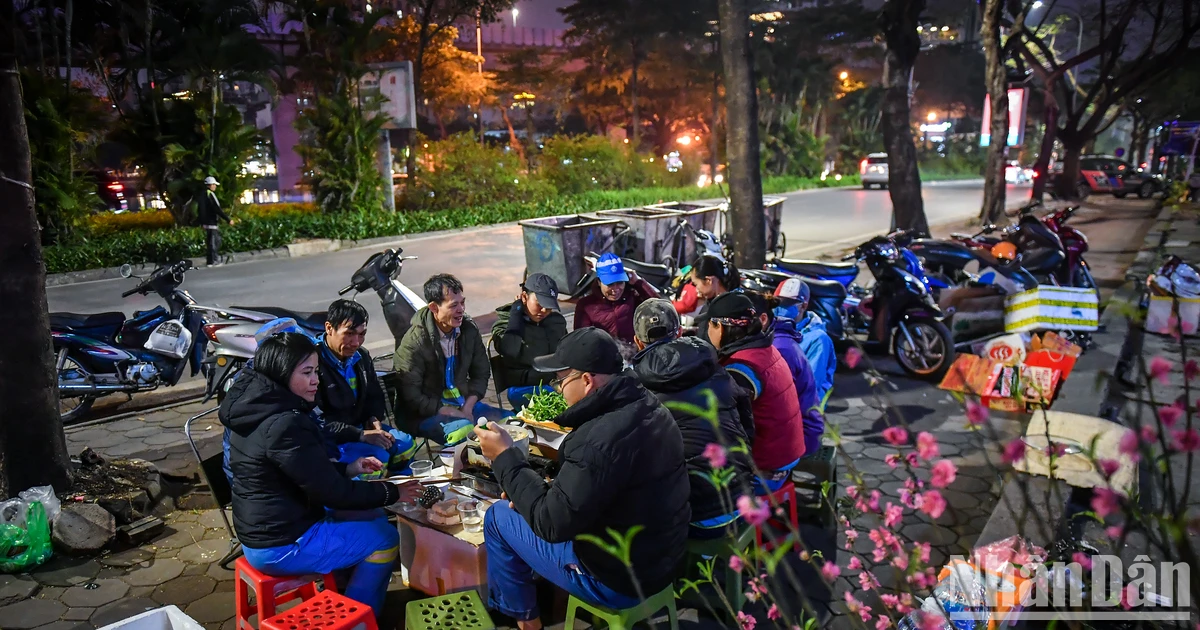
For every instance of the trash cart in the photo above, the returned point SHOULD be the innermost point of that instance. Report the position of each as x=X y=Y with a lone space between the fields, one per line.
x=699 y=216
x=773 y=217
x=650 y=231
x=556 y=245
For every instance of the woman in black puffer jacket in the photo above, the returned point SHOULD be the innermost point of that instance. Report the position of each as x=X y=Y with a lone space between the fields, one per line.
x=285 y=485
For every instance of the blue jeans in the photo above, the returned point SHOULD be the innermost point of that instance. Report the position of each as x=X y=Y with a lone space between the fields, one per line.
x=515 y=554
x=363 y=541
x=518 y=397
x=395 y=459
x=450 y=430
x=773 y=479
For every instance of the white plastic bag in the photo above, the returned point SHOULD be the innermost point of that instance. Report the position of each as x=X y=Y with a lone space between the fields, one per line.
x=45 y=494
x=12 y=512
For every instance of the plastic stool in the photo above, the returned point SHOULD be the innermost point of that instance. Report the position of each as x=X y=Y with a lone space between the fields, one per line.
x=722 y=549
x=270 y=591
x=785 y=494
x=808 y=476
x=448 y=612
x=326 y=610
x=624 y=619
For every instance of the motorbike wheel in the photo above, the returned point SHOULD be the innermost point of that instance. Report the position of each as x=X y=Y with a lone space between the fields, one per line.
x=72 y=409
x=1145 y=191
x=934 y=351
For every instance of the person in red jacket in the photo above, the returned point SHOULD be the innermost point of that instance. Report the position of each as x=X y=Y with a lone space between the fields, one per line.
x=611 y=303
x=735 y=329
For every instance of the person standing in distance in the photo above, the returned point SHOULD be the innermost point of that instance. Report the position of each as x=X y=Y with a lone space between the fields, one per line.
x=209 y=213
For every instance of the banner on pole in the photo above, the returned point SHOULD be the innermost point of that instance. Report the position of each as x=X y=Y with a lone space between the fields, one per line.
x=1018 y=101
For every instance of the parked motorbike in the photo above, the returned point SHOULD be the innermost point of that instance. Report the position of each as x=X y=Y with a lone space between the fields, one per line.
x=233 y=343
x=105 y=353
x=897 y=314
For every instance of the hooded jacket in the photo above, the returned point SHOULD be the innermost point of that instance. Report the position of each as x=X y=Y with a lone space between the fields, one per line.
x=614 y=318
x=520 y=340
x=621 y=466
x=778 y=422
x=681 y=371
x=818 y=349
x=346 y=410
x=283 y=479
x=422 y=367
x=787 y=342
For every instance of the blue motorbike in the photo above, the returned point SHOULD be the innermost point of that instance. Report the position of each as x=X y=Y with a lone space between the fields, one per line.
x=104 y=353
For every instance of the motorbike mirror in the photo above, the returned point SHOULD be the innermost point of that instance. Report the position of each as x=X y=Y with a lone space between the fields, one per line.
x=126 y=271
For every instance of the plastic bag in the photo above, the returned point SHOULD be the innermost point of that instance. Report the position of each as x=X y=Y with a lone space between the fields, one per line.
x=12 y=512
x=22 y=548
x=49 y=501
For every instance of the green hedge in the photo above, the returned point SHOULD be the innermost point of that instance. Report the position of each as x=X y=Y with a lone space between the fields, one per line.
x=253 y=232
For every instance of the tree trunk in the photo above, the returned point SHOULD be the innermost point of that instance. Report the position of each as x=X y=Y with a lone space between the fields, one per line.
x=512 y=136
x=1072 y=150
x=633 y=107
x=741 y=137
x=1041 y=168
x=899 y=19
x=33 y=450
x=714 y=142
x=997 y=88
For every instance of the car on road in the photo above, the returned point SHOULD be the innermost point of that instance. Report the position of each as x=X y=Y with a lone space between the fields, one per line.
x=874 y=170
x=1123 y=177
x=109 y=189
x=1014 y=173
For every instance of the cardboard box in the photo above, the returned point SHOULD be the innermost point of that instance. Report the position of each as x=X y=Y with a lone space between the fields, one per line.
x=1052 y=308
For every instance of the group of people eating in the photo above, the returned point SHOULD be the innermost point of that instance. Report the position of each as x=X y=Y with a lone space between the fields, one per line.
x=308 y=453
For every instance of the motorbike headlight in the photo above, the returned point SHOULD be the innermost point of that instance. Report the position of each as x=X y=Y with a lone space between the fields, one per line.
x=913 y=283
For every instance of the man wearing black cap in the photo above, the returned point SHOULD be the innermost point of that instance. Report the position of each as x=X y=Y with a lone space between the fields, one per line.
x=622 y=468
x=684 y=370
x=528 y=328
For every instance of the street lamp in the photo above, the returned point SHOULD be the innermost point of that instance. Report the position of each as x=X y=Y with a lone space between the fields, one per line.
x=931 y=117
x=1037 y=4
x=844 y=75
x=515 y=13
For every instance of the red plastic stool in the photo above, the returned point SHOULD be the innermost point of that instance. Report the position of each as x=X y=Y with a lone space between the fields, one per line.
x=270 y=591
x=786 y=493
x=327 y=610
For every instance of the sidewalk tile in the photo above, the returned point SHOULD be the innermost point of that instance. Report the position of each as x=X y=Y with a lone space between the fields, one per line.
x=183 y=590
x=211 y=609
x=31 y=613
x=102 y=592
x=14 y=588
x=65 y=571
x=157 y=573
x=122 y=609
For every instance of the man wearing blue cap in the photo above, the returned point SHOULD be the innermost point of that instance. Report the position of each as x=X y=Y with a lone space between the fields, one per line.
x=792 y=318
x=611 y=303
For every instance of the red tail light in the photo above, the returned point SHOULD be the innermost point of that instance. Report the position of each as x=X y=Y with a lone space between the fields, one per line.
x=1036 y=174
x=115 y=186
x=862 y=167
x=210 y=330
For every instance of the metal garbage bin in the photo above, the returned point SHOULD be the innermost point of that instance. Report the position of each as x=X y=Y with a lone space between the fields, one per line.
x=556 y=245
x=699 y=216
x=650 y=230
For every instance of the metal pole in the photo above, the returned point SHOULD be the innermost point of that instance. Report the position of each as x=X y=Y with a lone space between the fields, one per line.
x=479 y=52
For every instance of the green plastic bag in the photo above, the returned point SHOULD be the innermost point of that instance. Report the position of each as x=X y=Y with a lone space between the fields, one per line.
x=24 y=548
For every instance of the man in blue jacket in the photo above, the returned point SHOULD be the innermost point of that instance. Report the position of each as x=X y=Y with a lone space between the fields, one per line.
x=794 y=319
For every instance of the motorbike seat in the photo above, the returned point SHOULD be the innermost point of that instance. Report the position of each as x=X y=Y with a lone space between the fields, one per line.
x=309 y=320
x=825 y=289
x=110 y=319
x=659 y=276
x=817 y=268
x=1042 y=261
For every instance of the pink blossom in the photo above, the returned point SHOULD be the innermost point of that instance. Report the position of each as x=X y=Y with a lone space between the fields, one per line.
x=910 y=484
x=933 y=503
x=853 y=605
x=715 y=454
x=882 y=623
x=927 y=446
x=1191 y=369
x=1186 y=440
x=911 y=458
x=1055 y=449
x=909 y=499
x=900 y=561
x=890 y=600
x=1173 y=327
x=892 y=515
x=928 y=621
x=746 y=622
x=977 y=414
x=804 y=555
x=944 y=473
x=852 y=491
x=1149 y=434
x=735 y=563
x=753 y=510
x=851 y=536
x=1105 y=502
x=873 y=503
x=830 y=571
x=1014 y=451
x=1129 y=444
x=1082 y=559
x=906 y=603
x=855 y=564
x=895 y=435
x=773 y=613
x=924 y=549
x=867 y=580
x=1128 y=594
x=1108 y=467
x=1114 y=531
x=892 y=460
x=1188 y=328
x=1159 y=369
x=853 y=356
x=1170 y=415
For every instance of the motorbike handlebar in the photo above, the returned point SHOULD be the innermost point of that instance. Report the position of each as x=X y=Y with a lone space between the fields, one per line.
x=131 y=291
x=849 y=257
x=348 y=288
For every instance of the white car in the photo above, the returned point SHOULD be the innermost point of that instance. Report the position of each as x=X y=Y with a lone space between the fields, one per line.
x=874 y=170
x=1014 y=173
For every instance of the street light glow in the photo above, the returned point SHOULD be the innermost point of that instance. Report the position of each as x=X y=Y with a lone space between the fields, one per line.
x=1037 y=4
x=931 y=117
x=684 y=140
x=945 y=28
x=516 y=12
x=919 y=29
x=844 y=75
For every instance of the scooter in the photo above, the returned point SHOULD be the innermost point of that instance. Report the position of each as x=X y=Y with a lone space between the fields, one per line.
x=234 y=343
x=105 y=353
x=897 y=314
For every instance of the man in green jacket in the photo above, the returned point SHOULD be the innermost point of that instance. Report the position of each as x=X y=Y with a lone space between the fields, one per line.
x=443 y=367
x=528 y=328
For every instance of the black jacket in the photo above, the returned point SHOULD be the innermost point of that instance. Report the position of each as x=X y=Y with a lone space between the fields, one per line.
x=422 y=366
x=622 y=466
x=208 y=210
x=681 y=371
x=345 y=412
x=520 y=340
x=282 y=476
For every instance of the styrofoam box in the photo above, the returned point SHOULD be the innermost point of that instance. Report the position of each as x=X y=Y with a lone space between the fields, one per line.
x=165 y=618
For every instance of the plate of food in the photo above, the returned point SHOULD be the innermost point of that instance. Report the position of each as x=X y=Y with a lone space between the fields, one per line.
x=542 y=409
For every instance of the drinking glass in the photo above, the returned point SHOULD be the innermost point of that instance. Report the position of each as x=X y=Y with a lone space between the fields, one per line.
x=471 y=515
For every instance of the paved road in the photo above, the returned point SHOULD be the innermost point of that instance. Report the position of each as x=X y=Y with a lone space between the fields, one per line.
x=490 y=261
